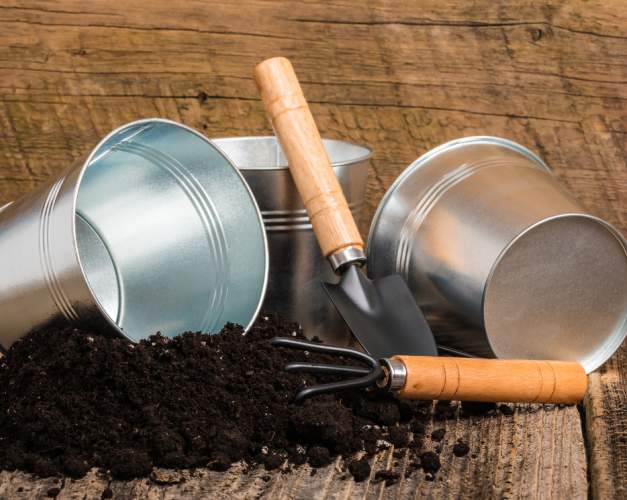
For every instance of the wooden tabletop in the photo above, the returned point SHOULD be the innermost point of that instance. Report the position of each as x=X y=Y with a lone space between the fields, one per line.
x=398 y=76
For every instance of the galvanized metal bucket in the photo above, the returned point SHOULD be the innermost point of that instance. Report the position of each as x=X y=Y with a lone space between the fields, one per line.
x=297 y=266
x=481 y=227
x=154 y=231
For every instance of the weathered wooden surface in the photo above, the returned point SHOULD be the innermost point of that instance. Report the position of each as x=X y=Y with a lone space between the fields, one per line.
x=606 y=422
x=398 y=76
x=535 y=453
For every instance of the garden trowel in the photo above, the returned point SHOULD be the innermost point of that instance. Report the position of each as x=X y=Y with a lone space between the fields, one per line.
x=382 y=313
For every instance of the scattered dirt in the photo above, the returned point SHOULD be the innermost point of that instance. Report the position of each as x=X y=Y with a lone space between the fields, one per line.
x=444 y=410
x=390 y=477
x=477 y=408
x=53 y=492
x=359 y=469
x=438 y=434
x=506 y=409
x=273 y=461
x=71 y=399
x=460 y=449
x=399 y=436
x=430 y=462
x=318 y=456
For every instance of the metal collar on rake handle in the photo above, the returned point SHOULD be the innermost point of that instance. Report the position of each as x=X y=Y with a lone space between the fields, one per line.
x=445 y=378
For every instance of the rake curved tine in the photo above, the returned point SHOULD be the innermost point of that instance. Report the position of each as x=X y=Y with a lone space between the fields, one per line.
x=305 y=345
x=367 y=378
x=355 y=371
x=358 y=383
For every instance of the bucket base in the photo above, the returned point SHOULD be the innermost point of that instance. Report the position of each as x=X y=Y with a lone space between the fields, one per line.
x=559 y=291
x=480 y=227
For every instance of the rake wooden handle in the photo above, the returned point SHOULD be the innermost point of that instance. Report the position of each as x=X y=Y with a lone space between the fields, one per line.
x=308 y=161
x=516 y=381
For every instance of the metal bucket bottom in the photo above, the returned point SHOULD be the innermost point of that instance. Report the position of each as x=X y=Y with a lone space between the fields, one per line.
x=168 y=235
x=480 y=227
x=580 y=262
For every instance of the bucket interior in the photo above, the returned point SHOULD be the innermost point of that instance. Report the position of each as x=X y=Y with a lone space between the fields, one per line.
x=265 y=152
x=559 y=291
x=168 y=235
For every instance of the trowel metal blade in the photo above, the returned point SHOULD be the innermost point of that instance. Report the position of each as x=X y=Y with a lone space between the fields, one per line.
x=382 y=314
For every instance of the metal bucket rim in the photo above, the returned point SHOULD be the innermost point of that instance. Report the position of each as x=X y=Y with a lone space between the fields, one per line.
x=366 y=155
x=430 y=154
x=76 y=189
x=610 y=345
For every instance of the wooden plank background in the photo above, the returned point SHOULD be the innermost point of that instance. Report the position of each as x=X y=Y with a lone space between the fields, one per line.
x=398 y=76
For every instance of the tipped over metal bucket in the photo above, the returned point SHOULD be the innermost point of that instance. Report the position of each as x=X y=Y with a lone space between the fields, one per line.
x=154 y=231
x=297 y=266
x=481 y=227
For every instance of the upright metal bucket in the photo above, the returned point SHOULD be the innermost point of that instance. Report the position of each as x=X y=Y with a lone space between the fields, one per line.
x=154 y=231
x=481 y=227
x=297 y=267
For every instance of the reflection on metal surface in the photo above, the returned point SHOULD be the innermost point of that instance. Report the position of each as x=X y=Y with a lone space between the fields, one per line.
x=480 y=226
x=297 y=266
x=297 y=220
x=154 y=231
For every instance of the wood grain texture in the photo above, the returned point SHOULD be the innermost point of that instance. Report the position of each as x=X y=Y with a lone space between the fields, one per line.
x=511 y=380
x=308 y=161
x=400 y=77
x=606 y=423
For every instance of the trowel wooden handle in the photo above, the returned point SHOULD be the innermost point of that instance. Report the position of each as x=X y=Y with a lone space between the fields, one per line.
x=516 y=381
x=309 y=164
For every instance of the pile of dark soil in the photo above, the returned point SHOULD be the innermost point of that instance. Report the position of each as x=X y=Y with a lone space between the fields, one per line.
x=72 y=399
